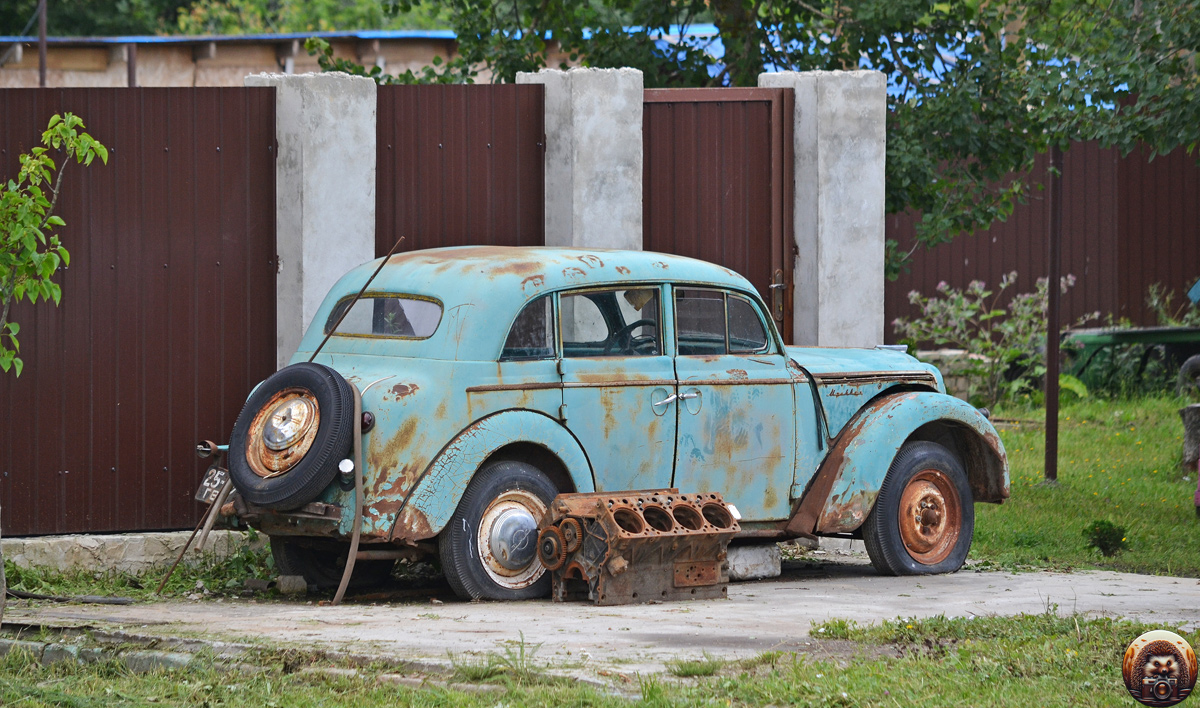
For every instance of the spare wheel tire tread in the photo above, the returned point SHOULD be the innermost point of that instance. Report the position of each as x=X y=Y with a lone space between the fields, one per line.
x=311 y=475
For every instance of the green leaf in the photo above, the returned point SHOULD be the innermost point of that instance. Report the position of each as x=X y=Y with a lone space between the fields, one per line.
x=56 y=221
x=18 y=364
x=1072 y=384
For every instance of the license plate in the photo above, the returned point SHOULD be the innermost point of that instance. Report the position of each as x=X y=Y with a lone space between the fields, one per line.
x=214 y=480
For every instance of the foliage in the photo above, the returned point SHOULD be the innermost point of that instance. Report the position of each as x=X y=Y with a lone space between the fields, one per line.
x=1161 y=301
x=207 y=575
x=1118 y=459
x=284 y=16
x=438 y=72
x=1005 y=346
x=30 y=252
x=1122 y=72
x=84 y=18
x=1106 y=537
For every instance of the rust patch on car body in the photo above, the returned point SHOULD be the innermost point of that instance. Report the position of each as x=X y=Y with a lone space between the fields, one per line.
x=622 y=270
x=412 y=525
x=738 y=374
x=401 y=390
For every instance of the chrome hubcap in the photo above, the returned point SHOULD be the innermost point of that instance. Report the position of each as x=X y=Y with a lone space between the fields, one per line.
x=288 y=423
x=514 y=538
x=507 y=539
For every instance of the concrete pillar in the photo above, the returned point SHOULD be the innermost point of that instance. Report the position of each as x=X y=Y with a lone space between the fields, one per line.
x=840 y=145
x=593 y=156
x=324 y=190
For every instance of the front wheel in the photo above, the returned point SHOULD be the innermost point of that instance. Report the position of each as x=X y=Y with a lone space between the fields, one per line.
x=489 y=547
x=924 y=517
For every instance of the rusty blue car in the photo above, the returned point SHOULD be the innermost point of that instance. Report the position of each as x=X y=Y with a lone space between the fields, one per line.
x=437 y=413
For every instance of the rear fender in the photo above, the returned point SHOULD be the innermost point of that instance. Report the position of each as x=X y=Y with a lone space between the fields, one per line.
x=845 y=487
x=437 y=493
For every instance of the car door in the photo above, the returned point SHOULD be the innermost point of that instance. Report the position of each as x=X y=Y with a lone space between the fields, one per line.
x=737 y=422
x=618 y=384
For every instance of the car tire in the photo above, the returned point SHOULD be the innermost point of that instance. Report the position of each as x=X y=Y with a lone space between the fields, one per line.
x=323 y=562
x=1189 y=375
x=924 y=516
x=489 y=547
x=318 y=453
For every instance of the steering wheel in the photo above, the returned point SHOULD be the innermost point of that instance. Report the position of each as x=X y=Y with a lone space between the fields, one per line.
x=624 y=333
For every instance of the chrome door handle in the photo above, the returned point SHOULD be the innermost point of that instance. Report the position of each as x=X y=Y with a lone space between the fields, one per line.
x=688 y=396
x=669 y=399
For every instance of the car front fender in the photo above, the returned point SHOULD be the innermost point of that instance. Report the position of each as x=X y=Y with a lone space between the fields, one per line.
x=845 y=487
x=436 y=495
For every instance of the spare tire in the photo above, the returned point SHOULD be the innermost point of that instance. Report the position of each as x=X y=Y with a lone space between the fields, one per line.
x=290 y=436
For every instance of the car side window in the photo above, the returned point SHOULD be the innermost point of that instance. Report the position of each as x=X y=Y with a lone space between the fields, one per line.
x=610 y=323
x=713 y=322
x=532 y=334
x=700 y=321
x=380 y=315
x=746 y=333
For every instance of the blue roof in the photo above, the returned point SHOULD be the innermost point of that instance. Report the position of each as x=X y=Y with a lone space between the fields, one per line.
x=193 y=39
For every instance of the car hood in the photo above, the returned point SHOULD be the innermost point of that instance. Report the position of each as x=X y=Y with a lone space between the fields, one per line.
x=848 y=378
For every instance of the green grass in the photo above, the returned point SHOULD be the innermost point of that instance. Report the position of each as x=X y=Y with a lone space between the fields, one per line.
x=1004 y=662
x=223 y=576
x=1118 y=462
x=692 y=668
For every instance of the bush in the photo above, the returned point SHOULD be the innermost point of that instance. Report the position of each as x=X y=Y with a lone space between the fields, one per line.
x=1105 y=536
x=1009 y=342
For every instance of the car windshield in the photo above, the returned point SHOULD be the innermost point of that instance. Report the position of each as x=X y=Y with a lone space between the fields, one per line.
x=398 y=316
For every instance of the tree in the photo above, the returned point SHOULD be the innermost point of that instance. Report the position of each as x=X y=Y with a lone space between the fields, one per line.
x=265 y=16
x=30 y=252
x=84 y=18
x=976 y=89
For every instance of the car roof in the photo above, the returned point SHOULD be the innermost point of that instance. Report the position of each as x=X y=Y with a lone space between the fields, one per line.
x=532 y=270
x=482 y=288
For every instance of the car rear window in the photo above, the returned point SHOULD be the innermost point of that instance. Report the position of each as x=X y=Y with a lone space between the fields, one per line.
x=398 y=316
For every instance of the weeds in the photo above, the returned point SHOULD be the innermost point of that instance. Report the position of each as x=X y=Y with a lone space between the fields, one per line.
x=515 y=662
x=207 y=575
x=692 y=668
x=1105 y=536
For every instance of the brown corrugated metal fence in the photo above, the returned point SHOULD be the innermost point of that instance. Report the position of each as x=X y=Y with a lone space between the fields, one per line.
x=168 y=307
x=460 y=165
x=1127 y=223
x=717 y=182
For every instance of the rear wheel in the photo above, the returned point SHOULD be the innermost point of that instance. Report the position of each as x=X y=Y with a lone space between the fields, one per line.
x=322 y=563
x=1189 y=375
x=489 y=547
x=924 y=517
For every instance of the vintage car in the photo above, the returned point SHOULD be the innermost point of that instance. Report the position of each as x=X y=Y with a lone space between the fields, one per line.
x=492 y=379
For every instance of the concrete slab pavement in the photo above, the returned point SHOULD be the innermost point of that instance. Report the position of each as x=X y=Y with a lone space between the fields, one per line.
x=772 y=614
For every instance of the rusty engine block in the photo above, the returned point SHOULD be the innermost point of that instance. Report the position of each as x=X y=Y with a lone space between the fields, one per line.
x=638 y=546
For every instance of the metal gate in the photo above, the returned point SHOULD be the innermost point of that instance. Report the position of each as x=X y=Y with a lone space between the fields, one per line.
x=168 y=307
x=460 y=166
x=718 y=183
